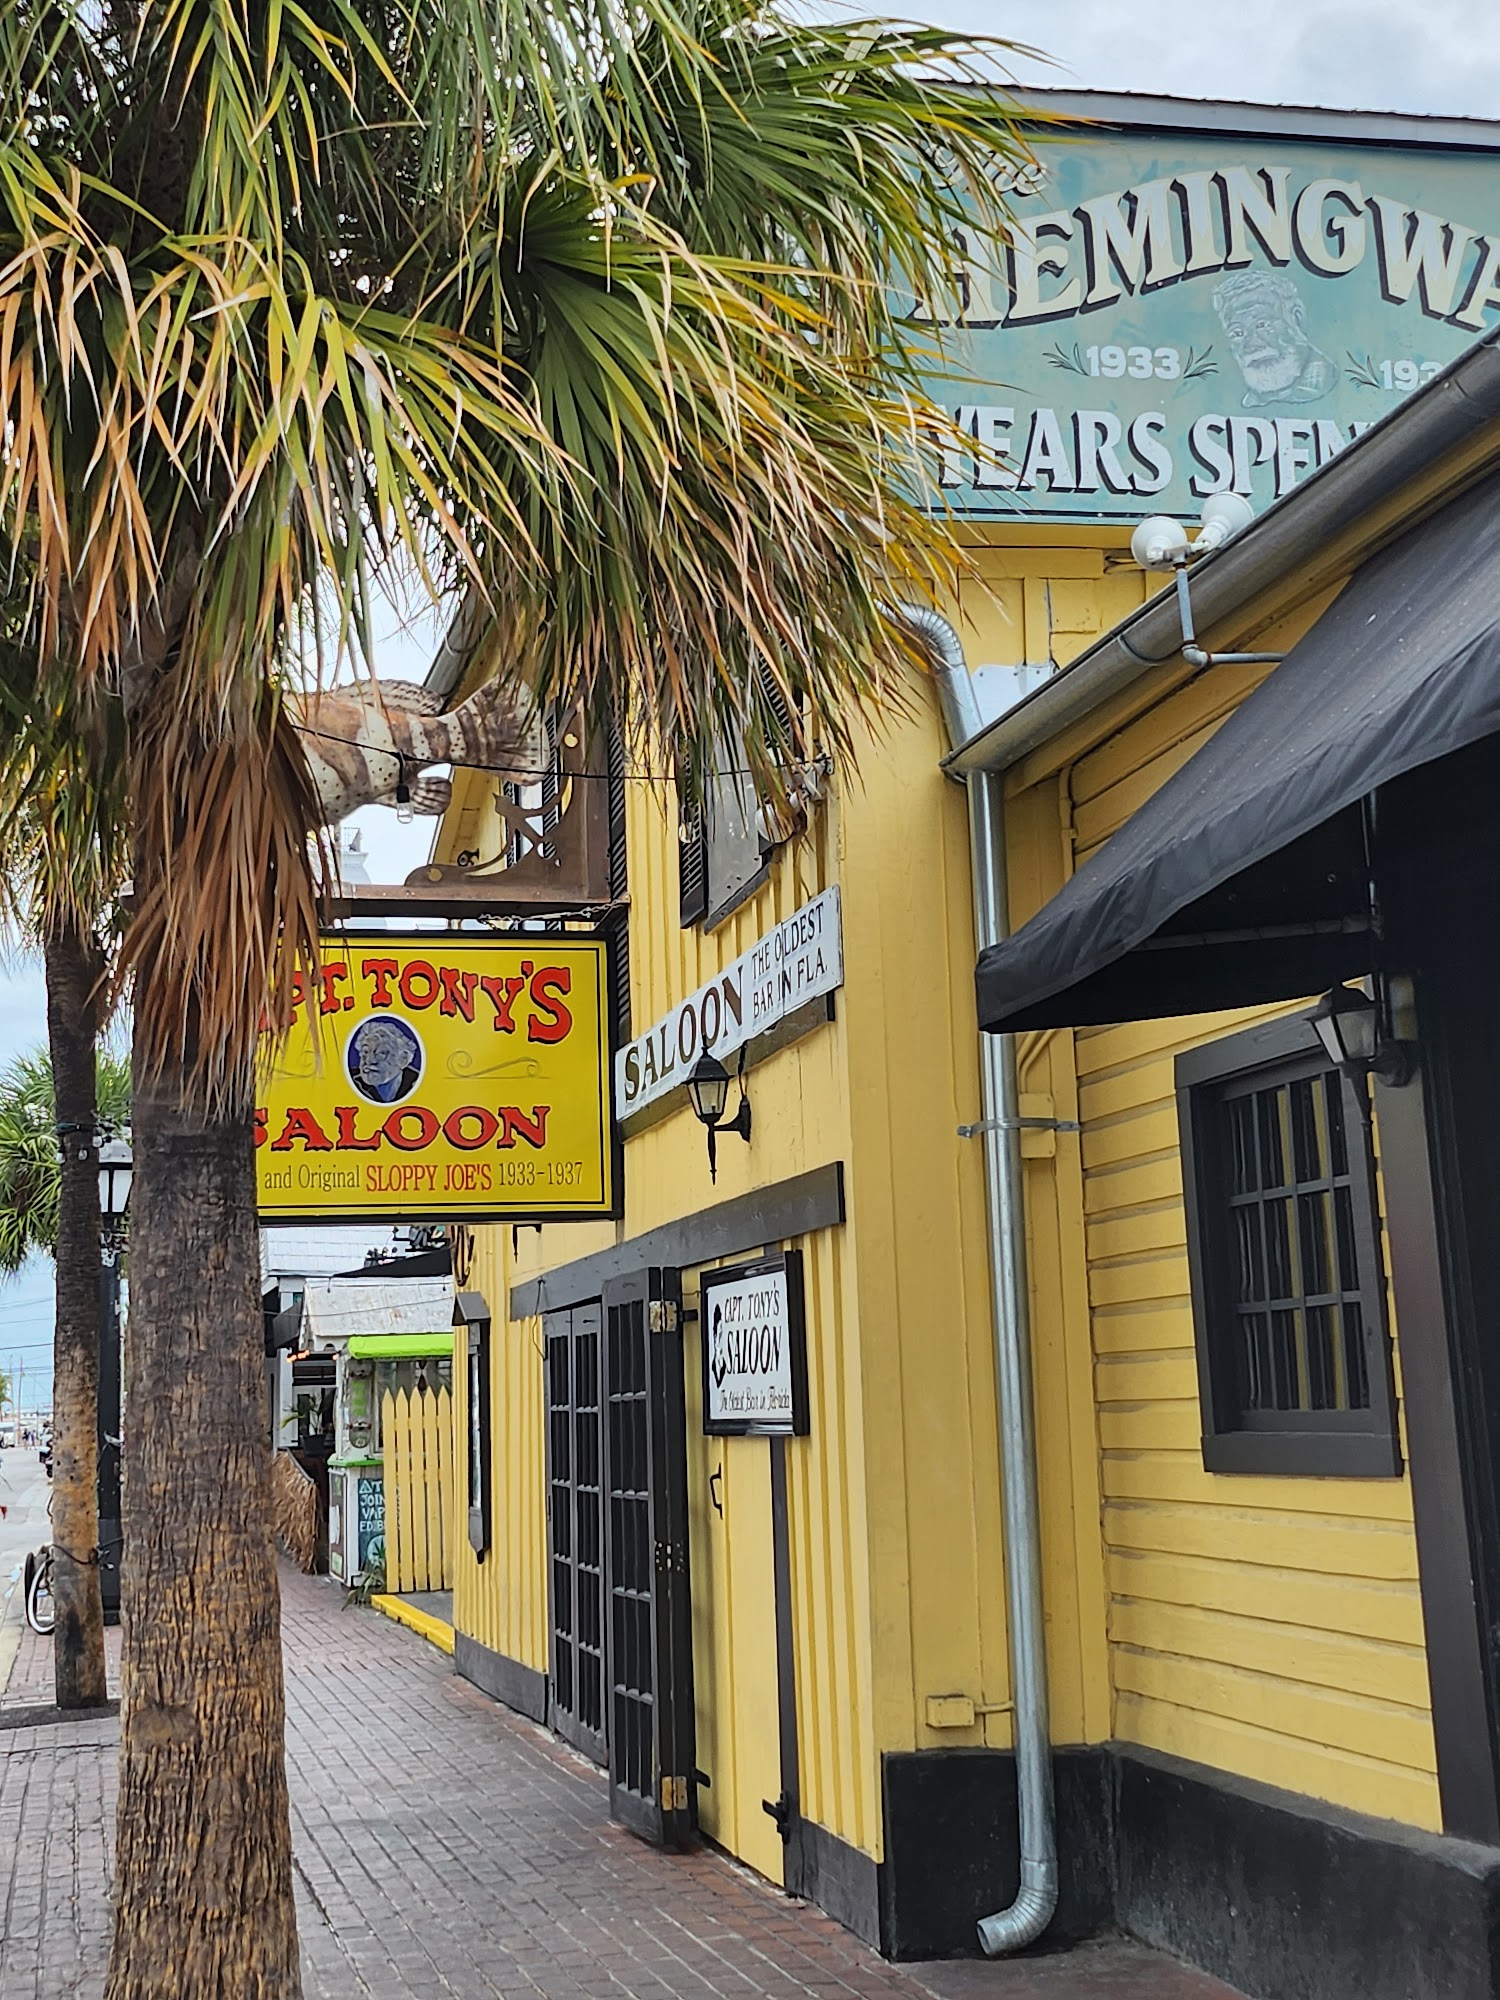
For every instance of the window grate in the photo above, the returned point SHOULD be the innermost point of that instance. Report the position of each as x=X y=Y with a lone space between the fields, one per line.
x=1285 y=1255
x=575 y=1534
x=1298 y=1289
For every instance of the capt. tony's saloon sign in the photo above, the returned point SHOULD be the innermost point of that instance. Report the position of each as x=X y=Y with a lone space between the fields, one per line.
x=1178 y=315
x=439 y=1077
x=754 y=1342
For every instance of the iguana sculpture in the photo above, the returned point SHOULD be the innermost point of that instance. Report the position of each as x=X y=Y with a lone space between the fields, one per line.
x=364 y=744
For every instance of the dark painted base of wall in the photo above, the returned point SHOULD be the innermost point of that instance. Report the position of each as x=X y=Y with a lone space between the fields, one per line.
x=521 y=1688
x=1284 y=1898
x=1292 y=1900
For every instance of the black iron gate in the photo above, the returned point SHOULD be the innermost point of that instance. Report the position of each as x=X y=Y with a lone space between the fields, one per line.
x=649 y=1625
x=575 y=1542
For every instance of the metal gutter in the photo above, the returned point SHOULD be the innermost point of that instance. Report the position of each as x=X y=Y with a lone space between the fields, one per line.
x=1232 y=118
x=1392 y=454
x=1024 y=1920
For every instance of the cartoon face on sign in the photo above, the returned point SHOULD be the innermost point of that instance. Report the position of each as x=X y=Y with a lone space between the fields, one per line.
x=718 y=1361
x=384 y=1060
x=1263 y=315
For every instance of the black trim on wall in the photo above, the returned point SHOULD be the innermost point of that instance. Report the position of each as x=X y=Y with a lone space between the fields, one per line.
x=795 y=1207
x=502 y=1679
x=952 y=1850
x=790 y=1802
x=1292 y=1899
x=842 y=1880
x=1459 y=1666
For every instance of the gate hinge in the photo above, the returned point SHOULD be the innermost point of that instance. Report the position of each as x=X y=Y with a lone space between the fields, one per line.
x=674 y=1794
x=664 y=1315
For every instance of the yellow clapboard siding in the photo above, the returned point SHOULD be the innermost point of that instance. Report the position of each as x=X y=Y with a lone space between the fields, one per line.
x=1334 y=1720
x=1149 y=1326
x=1103 y=1050
x=1180 y=1476
x=1134 y=1183
x=1155 y=1426
x=1100 y=817
x=1364 y=1783
x=1133 y=1232
x=1163 y=1276
x=1239 y=1537
x=1171 y=1377
x=1247 y=1640
x=1196 y=709
x=1128 y=1137
x=1359 y=1607
x=1139 y=1087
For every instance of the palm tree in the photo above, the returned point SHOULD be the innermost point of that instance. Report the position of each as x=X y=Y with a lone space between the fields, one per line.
x=30 y=1172
x=61 y=864
x=586 y=314
x=41 y=1212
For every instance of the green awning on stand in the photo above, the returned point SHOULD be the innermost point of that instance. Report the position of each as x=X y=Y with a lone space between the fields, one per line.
x=401 y=1346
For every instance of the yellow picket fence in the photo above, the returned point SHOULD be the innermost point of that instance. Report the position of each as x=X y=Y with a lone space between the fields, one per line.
x=417 y=1440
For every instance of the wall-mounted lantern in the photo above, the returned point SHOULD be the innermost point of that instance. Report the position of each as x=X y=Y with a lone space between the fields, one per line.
x=708 y=1090
x=1348 y=1024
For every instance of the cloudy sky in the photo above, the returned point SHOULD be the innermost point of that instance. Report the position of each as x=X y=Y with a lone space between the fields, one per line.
x=1385 y=55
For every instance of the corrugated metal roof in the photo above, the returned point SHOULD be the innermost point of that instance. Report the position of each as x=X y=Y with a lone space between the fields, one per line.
x=336 y=1308
x=319 y=1253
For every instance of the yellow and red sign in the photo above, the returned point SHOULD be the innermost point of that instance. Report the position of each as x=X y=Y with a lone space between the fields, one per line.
x=428 y=1077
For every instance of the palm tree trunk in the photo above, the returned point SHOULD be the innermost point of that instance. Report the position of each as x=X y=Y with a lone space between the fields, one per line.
x=203 y=1882
x=74 y=968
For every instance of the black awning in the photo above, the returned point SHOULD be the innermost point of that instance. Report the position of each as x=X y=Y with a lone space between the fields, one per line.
x=1242 y=879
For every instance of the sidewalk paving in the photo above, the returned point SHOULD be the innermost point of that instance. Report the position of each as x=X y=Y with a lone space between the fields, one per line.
x=449 y=1850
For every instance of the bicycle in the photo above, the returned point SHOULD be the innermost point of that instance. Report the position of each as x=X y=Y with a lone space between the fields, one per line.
x=41 y=1612
x=41 y=1608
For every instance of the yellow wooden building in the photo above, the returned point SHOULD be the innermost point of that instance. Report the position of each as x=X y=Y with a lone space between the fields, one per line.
x=1205 y=1650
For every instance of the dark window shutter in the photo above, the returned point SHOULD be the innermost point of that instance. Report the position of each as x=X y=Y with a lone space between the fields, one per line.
x=692 y=867
x=617 y=927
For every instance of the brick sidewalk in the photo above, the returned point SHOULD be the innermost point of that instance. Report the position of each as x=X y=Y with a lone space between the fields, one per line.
x=448 y=1850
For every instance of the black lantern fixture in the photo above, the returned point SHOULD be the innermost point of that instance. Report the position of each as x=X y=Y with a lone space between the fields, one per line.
x=116 y=1170
x=708 y=1089
x=1348 y=1024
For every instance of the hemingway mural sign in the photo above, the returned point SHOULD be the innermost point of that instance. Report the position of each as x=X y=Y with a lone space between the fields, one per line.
x=430 y=1077
x=1178 y=316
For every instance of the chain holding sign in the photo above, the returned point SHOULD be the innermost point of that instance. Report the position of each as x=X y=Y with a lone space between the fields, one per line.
x=753 y=1324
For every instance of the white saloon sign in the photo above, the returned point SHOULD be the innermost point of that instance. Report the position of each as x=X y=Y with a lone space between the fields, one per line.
x=753 y=1331
x=801 y=960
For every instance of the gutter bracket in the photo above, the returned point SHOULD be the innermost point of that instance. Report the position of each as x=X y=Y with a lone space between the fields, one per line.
x=1018 y=1125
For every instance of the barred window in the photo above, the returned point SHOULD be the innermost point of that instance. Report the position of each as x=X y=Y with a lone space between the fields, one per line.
x=1284 y=1250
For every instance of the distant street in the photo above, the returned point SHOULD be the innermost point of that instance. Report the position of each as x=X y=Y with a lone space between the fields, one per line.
x=24 y=1490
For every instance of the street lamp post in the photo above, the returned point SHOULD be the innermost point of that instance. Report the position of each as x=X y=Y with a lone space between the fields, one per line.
x=116 y=1169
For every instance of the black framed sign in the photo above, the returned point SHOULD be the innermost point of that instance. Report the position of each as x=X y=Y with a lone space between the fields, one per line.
x=754 y=1345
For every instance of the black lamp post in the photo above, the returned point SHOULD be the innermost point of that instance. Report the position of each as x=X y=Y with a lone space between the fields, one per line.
x=708 y=1091
x=116 y=1171
x=1348 y=1024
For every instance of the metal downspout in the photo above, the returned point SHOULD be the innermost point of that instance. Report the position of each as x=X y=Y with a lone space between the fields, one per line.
x=1036 y=1900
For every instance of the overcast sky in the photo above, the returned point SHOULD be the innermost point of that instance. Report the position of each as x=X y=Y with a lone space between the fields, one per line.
x=1385 y=55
